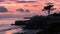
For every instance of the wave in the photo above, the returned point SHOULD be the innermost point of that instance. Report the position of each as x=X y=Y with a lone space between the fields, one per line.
x=7 y=28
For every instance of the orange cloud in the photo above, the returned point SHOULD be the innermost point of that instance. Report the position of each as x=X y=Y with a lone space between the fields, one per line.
x=36 y=6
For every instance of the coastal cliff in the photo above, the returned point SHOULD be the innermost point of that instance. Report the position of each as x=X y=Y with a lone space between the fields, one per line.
x=40 y=22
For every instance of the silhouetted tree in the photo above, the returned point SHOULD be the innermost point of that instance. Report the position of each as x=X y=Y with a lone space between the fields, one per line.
x=48 y=7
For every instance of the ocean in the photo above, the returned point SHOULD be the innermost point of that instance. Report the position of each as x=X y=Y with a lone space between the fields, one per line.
x=7 y=28
x=12 y=29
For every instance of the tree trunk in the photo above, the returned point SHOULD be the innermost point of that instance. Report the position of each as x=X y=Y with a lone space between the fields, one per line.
x=48 y=12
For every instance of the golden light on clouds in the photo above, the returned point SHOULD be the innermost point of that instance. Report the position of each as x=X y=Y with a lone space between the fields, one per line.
x=12 y=5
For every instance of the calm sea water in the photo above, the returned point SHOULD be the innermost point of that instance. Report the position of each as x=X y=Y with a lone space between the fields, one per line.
x=8 y=29
x=11 y=29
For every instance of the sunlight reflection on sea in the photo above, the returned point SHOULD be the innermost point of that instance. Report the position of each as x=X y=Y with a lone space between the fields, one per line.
x=8 y=29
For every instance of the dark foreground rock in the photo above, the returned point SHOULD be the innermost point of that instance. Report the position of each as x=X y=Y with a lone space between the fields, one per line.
x=47 y=24
x=21 y=22
x=18 y=33
x=39 y=22
x=51 y=29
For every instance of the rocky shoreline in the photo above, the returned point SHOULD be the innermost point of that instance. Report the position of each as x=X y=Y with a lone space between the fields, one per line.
x=42 y=22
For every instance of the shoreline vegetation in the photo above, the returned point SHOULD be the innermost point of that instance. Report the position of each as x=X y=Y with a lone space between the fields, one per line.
x=48 y=24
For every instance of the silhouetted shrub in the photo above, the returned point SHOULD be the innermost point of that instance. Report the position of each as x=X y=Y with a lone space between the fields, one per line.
x=55 y=14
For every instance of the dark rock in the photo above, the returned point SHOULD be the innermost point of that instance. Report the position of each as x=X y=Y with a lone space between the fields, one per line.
x=39 y=22
x=18 y=33
x=21 y=22
x=53 y=28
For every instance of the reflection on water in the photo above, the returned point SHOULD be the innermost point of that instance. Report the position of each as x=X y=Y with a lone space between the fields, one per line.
x=13 y=31
x=8 y=29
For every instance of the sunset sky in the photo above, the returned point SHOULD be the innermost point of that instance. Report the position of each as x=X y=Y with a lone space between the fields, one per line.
x=35 y=8
x=12 y=5
x=16 y=10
